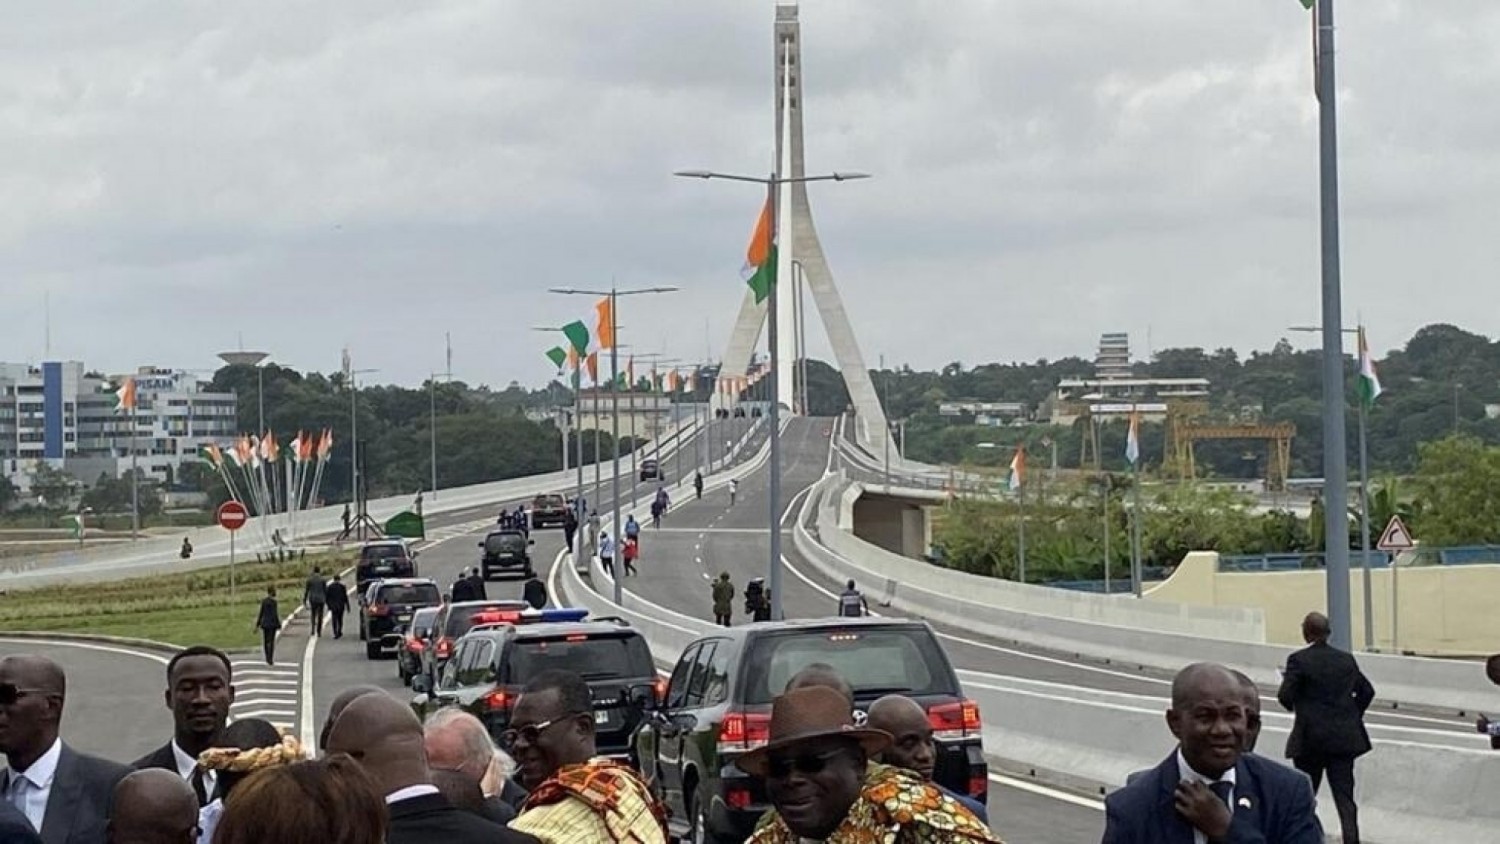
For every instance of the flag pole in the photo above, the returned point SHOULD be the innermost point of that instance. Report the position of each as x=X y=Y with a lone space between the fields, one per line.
x=1021 y=534
x=1364 y=526
x=135 y=480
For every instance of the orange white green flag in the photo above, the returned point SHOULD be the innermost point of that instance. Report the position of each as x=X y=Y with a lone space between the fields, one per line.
x=760 y=258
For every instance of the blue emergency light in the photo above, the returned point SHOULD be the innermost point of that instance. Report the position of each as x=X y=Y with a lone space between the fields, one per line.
x=561 y=614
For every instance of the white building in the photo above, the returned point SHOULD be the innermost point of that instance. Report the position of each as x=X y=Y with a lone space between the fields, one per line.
x=60 y=414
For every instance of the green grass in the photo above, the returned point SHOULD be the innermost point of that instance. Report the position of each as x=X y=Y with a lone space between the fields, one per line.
x=192 y=608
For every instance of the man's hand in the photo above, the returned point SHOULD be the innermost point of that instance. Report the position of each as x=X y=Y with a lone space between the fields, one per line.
x=1203 y=809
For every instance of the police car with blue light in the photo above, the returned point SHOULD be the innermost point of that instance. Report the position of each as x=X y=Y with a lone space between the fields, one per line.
x=504 y=650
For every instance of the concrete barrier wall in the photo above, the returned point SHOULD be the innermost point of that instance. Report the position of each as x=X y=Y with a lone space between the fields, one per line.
x=1445 y=610
x=1058 y=619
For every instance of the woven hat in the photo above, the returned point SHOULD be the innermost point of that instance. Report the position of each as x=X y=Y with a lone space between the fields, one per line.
x=806 y=714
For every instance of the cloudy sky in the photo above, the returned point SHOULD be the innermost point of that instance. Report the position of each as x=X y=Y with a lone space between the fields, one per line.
x=374 y=173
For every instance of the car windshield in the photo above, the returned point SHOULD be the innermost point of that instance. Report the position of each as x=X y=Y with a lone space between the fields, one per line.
x=610 y=657
x=409 y=593
x=884 y=660
x=421 y=623
x=504 y=540
x=382 y=552
x=548 y=501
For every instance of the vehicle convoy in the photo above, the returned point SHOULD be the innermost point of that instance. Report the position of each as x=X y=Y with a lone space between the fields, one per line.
x=413 y=643
x=495 y=660
x=386 y=609
x=452 y=622
x=548 y=510
x=506 y=551
x=383 y=558
x=717 y=706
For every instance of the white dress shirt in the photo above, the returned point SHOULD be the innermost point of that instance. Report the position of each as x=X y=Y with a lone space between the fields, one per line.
x=187 y=764
x=30 y=789
x=1185 y=773
x=409 y=792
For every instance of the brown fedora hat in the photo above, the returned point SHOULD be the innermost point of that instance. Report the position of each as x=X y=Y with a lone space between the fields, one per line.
x=809 y=713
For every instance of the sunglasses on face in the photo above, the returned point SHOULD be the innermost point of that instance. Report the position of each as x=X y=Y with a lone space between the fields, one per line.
x=531 y=733
x=10 y=693
x=780 y=767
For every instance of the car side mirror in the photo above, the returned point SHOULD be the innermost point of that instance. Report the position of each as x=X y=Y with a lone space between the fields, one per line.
x=420 y=685
x=642 y=696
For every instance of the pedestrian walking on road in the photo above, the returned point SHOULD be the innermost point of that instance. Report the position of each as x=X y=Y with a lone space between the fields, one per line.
x=723 y=593
x=534 y=592
x=570 y=529
x=852 y=604
x=1328 y=693
x=657 y=509
x=698 y=484
x=607 y=552
x=268 y=622
x=315 y=596
x=631 y=552
x=734 y=488
x=632 y=528
x=338 y=604
x=463 y=588
x=476 y=586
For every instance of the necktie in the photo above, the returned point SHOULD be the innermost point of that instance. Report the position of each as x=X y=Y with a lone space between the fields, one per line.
x=19 y=788
x=1222 y=791
x=200 y=787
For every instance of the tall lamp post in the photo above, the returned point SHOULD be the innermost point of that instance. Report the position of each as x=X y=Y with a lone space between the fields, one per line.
x=354 y=495
x=614 y=294
x=773 y=184
x=577 y=431
x=432 y=428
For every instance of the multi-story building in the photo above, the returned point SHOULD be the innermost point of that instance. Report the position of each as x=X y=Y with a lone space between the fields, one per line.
x=62 y=415
x=1116 y=391
x=1112 y=361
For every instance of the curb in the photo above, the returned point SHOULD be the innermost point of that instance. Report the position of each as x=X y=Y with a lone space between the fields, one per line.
x=139 y=644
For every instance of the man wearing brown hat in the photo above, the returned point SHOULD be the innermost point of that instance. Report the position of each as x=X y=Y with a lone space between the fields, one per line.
x=824 y=787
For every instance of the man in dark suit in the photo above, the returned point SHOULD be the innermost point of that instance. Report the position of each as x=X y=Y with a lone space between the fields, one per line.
x=315 y=597
x=1328 y=693
x=14 y=828
x=385 y=737
x=338 y=604
x=476 y=586
x=1210 y=791
x=64 y=794
x=268 y=622
x=199 y=693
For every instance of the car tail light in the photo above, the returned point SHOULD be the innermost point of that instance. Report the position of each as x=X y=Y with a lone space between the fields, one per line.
x=737 y=797
x=740 y=731
x=955 y=720
x=444 y=648
x=416 y=646
x=380 y=609
x=497 y=700
x=978 y=786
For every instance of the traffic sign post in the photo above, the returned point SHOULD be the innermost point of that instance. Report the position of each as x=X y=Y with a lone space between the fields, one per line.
x=232 y=516
x=1394 y=540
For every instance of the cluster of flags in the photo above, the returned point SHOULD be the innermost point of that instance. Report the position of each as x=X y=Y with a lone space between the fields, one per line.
x=253 y=469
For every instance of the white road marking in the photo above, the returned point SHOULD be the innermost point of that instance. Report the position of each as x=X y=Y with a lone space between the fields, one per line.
x=1044 y=791
x=90 y=646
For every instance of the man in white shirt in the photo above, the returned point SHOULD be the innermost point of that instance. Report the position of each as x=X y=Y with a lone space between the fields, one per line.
x=199 y=693
x=64 y=794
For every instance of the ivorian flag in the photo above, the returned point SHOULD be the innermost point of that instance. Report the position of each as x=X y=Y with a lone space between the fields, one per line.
x=1369 y=381
x=1018 y=468
x=592 y=363
x=578 y=335
x=760 y=259
x=558 y=356
x=1133 y=439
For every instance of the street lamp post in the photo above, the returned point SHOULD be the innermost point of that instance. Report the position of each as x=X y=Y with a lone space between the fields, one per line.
x=255 y=359
x=772 y=185
x=614 y=294
x=354 y=495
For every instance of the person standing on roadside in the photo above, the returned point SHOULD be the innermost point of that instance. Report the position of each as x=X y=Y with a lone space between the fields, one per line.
x=268 y=622
x=852 y=604
x=1327 y=692
x=199 y=693
x=631 y=553
x=698 y=484
x=570 y=528
x=315 y=596
x=1483 y=723
x=476 y=586
x=338 y=604
x=723 y=594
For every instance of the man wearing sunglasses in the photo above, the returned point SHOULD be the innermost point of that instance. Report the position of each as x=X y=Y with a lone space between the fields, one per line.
x=824 y=787
x=575 y=796
x=64 y=794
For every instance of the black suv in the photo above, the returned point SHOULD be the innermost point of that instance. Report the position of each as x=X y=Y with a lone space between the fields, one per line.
x=651 y=469
x=386 y=608
x=506 y=551
x=381 y=559
x=416 y=640
x=494 y=662
x=548 y=510
x=453 y=621
x=718 y=705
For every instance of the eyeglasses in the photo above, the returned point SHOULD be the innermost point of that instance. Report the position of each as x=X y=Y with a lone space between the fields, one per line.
x=10 y=693
x=531 y=732
x=780 y=767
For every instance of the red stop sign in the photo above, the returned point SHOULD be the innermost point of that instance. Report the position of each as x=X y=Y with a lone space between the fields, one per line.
x=232 y=515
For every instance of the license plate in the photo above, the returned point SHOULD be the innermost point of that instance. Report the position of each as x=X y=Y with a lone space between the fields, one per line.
x=601 y=717
x=404 y=618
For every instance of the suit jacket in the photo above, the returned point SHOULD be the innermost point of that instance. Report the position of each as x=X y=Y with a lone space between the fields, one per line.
x=428 y=818
x=162 y=757
x=338 y=597
x=1329 y=694
x=1273 y=805
x=269 y=618
x=78 y=807
x=14 y=828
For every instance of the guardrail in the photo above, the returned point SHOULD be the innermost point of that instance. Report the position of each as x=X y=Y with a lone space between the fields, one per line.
x=1165 y=636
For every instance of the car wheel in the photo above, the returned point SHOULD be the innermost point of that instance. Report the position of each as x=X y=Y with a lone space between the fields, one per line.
x=698 y=833
x=372 y=650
